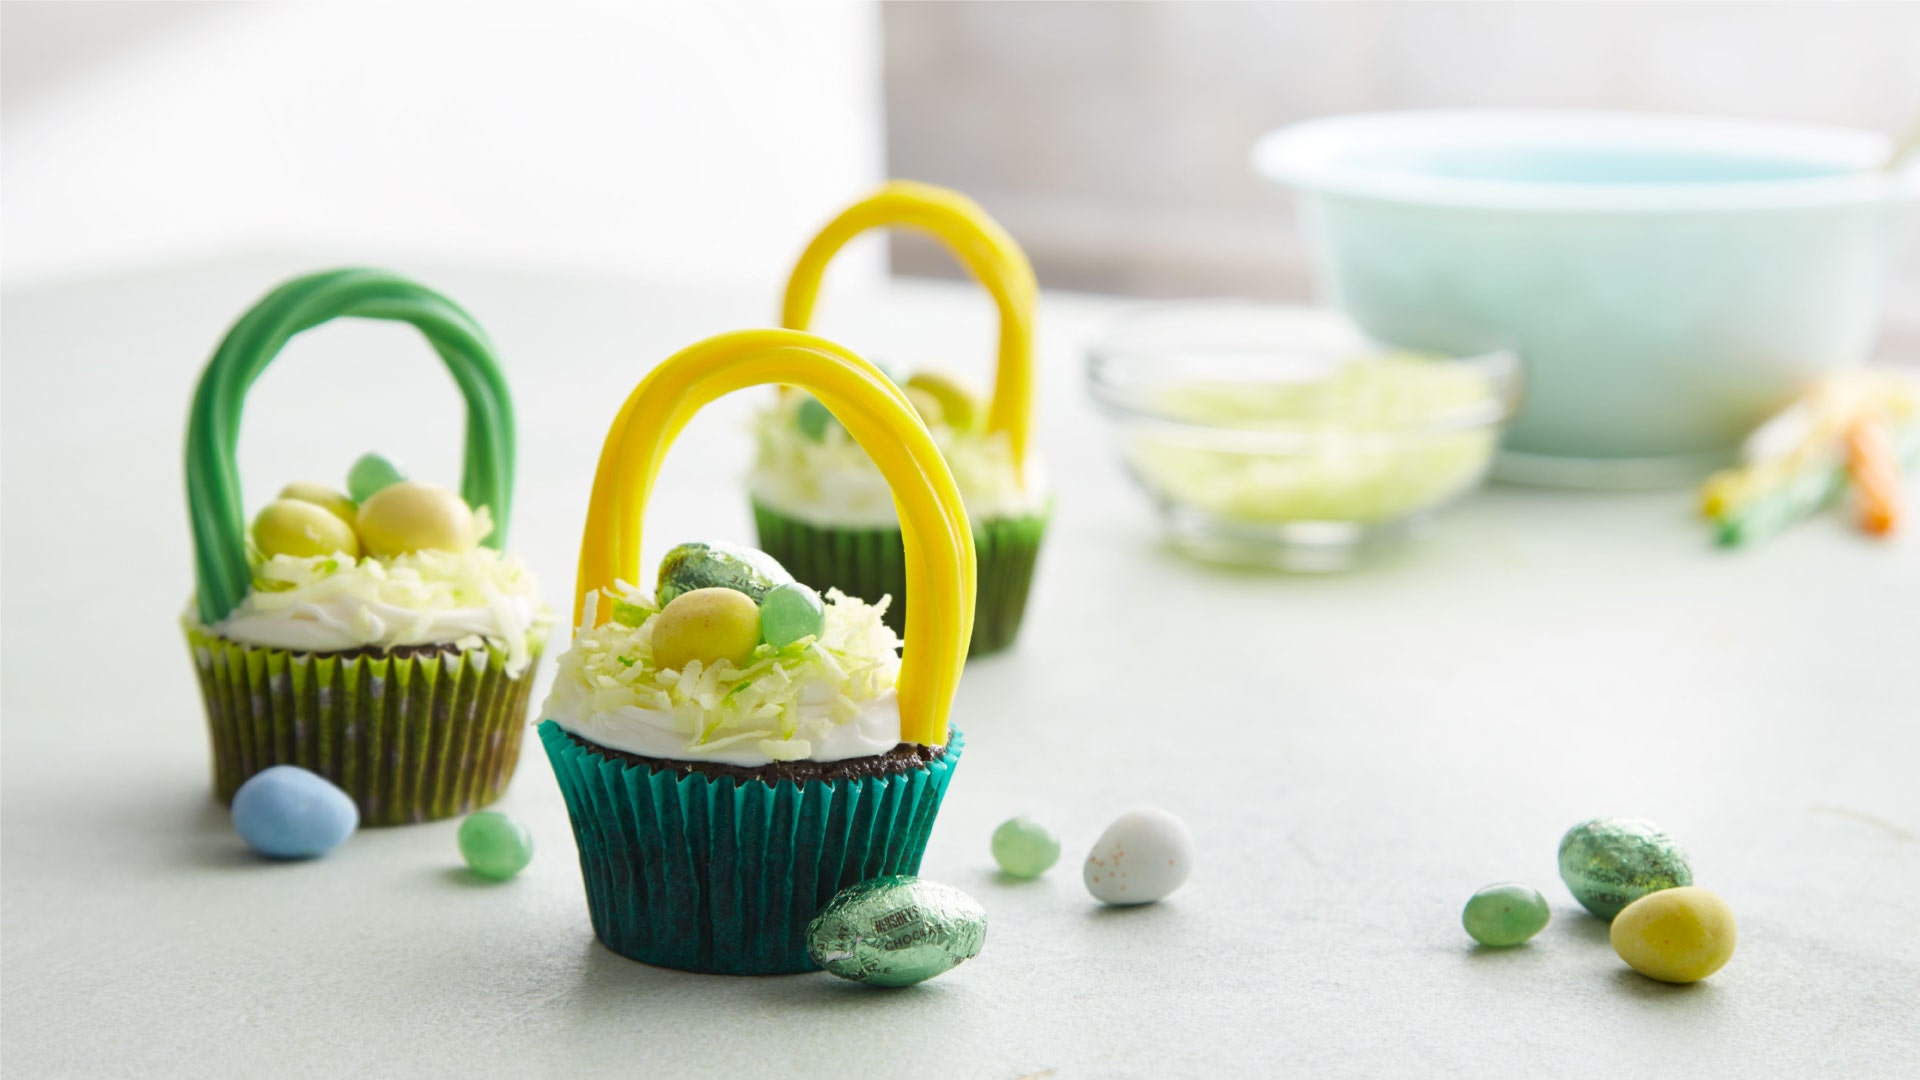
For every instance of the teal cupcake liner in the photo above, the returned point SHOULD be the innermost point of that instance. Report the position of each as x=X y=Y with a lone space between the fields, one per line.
x=412 y=737
x=715 y=875
x=870 y=563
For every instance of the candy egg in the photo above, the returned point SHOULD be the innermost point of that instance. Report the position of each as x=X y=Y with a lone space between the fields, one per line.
x=1502 y=915
x=708 y=625
x=1024 y=848
x=728 y=566
x=324 y=497
x=369 y=474
x=813 y=418
x=926 y=405
x=406 y=516
x=301 y=529
x=494 y=845
x=789 y=613
x=896 y=931
x=958 y=405
x=1142 y=857
x=1677 y=935
x=286 y=812
x=1609 y=863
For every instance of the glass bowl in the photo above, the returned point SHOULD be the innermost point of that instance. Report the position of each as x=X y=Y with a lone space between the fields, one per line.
x=1269 y=436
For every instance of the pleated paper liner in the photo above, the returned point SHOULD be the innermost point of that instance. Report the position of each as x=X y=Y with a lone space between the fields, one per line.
x=719 y=875
x=871 y=562
x=417 y=735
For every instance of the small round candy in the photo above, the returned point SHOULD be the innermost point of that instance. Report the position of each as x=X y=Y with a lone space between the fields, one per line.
x=708 y=625
x=494 y=845
x=301 y=529
x=789 y=613
x=958 y=405
x=1609 y=863
x=1502 y=915
x=926 y=405
x=1025 y=848
x=406 y=516
x=1678 y=935
x=286 y=812
x=324 y=497
x=1142 y=857
x=369 y=474
x=813 y=419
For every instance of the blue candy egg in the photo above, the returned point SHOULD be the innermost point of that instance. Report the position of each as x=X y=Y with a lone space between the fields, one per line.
x=286 y=812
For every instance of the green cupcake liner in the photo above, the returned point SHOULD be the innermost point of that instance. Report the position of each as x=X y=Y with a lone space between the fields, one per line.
x=713 y=875
x=410 y=738
x=870 y=563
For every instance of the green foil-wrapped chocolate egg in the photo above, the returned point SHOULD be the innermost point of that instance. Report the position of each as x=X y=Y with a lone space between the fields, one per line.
x=722 y=566
x=1609 y=863
x=896 y=931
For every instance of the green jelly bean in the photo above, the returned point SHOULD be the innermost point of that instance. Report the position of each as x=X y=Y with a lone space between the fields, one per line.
x=1502 y=915
x=1025 y=848
x=369 y=474
x=494 y=845
x=896 y=931
x=813 y=419
x=789 y=613
x=717 y=566
x=1609 y=863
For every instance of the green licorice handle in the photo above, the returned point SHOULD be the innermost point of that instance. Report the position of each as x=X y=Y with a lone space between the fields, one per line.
x=213 y=432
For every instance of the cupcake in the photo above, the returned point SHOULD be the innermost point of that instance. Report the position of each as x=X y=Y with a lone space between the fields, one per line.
x=822 y=508
x=378 y=637
x=735 y=747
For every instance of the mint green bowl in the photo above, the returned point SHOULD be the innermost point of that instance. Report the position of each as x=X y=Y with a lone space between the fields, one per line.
x=1668 y=281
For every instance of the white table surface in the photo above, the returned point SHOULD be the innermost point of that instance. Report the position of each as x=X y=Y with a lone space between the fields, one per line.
x=1355 y=755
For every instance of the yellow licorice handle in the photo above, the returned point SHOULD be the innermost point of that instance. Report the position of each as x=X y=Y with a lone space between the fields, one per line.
x=933 y=522
x=987 y=252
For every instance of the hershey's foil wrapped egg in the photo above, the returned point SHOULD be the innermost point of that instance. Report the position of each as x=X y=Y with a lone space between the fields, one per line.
x=896 y=931
x=1609 y=863
x=716 y=565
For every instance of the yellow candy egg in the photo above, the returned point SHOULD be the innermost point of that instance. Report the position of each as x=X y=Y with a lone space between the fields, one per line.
x=322 y=496
x=406 y=516
x=708 y=625
x=959 y=405
x=301 y=529
x=1677 y=935
x=926 y=405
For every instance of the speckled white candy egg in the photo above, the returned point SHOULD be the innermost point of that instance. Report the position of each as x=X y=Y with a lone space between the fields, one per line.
x=1142 y=857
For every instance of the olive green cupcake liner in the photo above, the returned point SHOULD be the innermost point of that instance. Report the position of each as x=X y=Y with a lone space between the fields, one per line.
x=412 y=736
x=870 y=563
x=717 y=875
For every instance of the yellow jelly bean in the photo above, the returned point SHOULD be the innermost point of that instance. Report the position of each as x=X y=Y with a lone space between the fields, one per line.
x=406 y=516
x=322 y=496
x=926 y=405
x=1677 y=935
x=708 y=625
x=959 y=405
x=301 y=529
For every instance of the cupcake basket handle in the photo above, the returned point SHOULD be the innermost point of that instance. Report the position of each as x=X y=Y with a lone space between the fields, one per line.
x=213 y=432
x=933 y=522
x=981 y=245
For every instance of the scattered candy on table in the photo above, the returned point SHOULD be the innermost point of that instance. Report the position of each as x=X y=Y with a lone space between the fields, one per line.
x=302 y=530
x=1503 y=915
x=1025 y=848
x=408 y=516
x=286 y=812
x=791 y=613
x=717 y=565
x=369 y=474
x=708 y=625
x=1609 y=863
x=494 y=845
x=1142 y=857
x=1857 y=430
x=896 y=931
x=1678 y=935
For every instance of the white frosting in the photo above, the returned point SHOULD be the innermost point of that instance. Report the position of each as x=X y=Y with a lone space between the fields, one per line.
x=653 y=733
x=344 y=622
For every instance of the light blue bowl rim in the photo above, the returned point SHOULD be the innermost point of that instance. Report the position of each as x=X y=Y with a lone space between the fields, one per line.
x=1319 y=156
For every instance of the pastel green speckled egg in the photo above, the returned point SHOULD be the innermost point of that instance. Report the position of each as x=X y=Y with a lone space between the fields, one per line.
x=1609 y=863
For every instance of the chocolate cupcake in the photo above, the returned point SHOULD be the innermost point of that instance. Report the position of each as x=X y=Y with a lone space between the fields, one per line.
x=735 y=748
